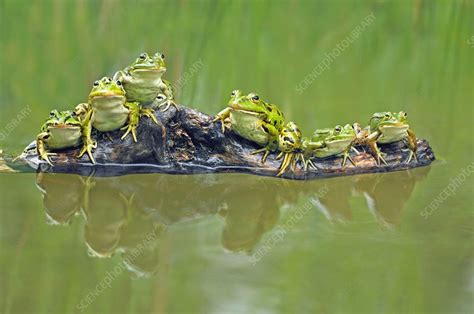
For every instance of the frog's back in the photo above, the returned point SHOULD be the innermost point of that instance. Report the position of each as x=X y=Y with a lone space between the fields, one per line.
x=275 y=116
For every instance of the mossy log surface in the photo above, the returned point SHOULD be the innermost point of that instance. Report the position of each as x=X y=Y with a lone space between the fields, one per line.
x=186 y=141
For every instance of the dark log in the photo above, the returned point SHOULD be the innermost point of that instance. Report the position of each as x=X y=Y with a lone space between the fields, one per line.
x=186 y=141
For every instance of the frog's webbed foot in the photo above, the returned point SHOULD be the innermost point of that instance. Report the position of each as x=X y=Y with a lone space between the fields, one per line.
x=148 y=112
x=225 y=124
x=133 y=119
x=88 y=146
x=412 y=155
x=265 y=154
x=45 y=156
x=130 y=128
x=287 y=161
x=223 y=117
x=167 y=104
x=346 y=157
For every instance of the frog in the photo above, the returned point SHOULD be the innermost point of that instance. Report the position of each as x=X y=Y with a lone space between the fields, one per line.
x=142 y=81
x=252 y=118
x=290 y=146
x=107 y=110
x=62 y=129
x=389 y=127
x=327 y=142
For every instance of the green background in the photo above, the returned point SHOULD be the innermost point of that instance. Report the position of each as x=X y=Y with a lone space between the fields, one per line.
x=345 y=256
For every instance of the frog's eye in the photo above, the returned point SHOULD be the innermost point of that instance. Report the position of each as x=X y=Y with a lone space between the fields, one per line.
x=255 y=98
x=162 y=56
x=119 y=83
x=338 y=128
x=160 y=97
x=142 y=56
x=387 y=115
x=96 y=83
x=403 y=114
x=51 y=113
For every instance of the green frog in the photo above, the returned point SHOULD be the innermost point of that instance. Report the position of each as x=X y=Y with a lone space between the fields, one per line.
x=63 y=129
x=290 y=146
x=389 y=127
x=254 y=119
x=329 y=142
x=143 y=81
x=107 y=110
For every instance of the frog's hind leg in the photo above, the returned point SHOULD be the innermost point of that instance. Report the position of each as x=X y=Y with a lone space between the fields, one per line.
x=287 y=161
x=88 y=144
x=412 y=145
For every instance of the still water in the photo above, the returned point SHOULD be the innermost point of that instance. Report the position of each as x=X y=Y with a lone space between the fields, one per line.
x=384 y=243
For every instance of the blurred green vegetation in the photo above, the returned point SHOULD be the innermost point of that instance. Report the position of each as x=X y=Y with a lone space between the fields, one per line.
x=416 y=57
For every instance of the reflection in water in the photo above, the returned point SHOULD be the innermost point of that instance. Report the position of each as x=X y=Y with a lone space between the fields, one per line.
x=129 y=215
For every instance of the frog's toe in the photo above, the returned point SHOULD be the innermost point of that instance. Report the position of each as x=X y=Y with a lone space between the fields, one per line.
x=129 y=129
x=287 y=161
x=87 y=148
x=45 y=156
x=346 y=157
x=411 y=156
x=167 y=105
x=148 y=112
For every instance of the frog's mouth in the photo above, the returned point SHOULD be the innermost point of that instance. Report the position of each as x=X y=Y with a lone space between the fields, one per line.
x=394 y=126
x=238 y=108
x=106 y=94
x=148 y=68
x=342 y=140
x=63 y=126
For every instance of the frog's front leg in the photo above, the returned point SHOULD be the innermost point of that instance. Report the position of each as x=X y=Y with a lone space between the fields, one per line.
x=308 y=153
x=371 y=141
x=222 y=116
x=88 y=144
x=41 y=147
x=273 y=137
x=347 y=156
x=133 y=120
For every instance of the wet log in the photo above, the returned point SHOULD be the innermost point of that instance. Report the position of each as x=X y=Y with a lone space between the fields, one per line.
x=186 y=141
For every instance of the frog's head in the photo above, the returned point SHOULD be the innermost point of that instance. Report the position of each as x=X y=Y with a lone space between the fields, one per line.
x=146 y=64
x=321 y=134
x=61 y=120
x=251 y=103
x=290 y=138
x=341 y=134
x=385 y=121
x=106 y=87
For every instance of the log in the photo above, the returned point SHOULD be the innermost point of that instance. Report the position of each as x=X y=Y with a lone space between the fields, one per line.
x=186 y=141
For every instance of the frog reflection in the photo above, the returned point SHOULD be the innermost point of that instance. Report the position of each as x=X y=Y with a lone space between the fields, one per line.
x=122 y=213
x=62 y=196
x=385 y=206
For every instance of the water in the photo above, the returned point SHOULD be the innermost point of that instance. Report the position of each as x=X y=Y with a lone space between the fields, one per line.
x=385 y=243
